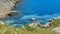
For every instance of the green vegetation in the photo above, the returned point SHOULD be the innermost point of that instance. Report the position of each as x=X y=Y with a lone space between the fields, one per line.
x=55 y=23
x=6 y=29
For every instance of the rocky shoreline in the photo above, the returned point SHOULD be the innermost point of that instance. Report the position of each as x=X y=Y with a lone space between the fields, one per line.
x=6 y=7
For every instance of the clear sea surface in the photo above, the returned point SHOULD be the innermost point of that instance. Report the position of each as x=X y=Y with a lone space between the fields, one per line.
x=42 y=10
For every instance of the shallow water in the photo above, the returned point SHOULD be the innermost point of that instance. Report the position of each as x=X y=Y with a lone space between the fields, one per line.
x=42 y=10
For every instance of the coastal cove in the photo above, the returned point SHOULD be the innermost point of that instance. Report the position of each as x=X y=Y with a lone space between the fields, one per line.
x=42 y=10
x=29 y=16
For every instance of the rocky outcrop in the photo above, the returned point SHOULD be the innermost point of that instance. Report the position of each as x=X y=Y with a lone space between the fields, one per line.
x=8 y=4
x=56 y=29
x=33 y=25
x=6 y=7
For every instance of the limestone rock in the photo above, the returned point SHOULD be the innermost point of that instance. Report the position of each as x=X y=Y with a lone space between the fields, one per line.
x=33 y=25
x=5 y=8
x=56 y=29
x=8 y=4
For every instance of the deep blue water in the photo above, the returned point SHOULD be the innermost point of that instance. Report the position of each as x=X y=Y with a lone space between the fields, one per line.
x=42 y=10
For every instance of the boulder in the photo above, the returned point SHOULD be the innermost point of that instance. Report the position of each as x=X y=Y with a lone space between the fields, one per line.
x=56 y=29
x=33 y=19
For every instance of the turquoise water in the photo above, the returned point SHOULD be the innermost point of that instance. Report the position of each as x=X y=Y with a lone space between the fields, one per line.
x=42 y=10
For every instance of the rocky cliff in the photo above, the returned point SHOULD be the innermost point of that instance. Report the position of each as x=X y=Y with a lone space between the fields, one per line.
x=6 y=7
